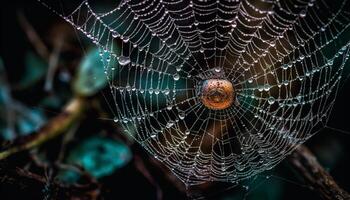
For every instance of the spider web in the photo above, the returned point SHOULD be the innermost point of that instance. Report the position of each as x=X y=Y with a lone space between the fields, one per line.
x=284 y=59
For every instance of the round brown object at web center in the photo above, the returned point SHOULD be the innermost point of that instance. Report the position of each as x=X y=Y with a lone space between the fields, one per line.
x=217 y=94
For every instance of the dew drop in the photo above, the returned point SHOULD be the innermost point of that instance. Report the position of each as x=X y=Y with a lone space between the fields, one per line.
x=285 y=66
x=302 y=13
x=169 y=124
x=271 y=100
x=217 y=69
x=125 y=39
x=166 y=91
x=125 y=120
x=330 y=62
x=178 y=68
x=115 y=35
x=182 y=115
x=267 y=87
x=123 y=60
x=176 y=77
x=156 y=91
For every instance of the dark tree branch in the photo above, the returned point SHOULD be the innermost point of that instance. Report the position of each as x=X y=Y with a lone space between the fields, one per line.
x=56 y=126
x=305 y=162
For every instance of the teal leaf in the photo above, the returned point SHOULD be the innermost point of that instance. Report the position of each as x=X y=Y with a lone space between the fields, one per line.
x=19 y=120
x=99 y=156
x=35 y=70
x=15 y=118
x=91 y=75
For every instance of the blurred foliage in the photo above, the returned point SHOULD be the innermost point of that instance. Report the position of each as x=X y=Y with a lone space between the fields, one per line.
x=91 y=75
x=98 y=156
x=35 y=69
x=16 y=119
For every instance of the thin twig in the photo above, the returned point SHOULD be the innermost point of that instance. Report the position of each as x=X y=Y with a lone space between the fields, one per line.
x=143 y=169
x=53 y=64
x=33 y=36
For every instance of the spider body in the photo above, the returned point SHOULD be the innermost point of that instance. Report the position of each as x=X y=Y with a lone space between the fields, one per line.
x=217 y=94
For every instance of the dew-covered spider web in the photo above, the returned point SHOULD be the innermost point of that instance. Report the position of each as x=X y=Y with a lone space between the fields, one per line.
x=283 y=58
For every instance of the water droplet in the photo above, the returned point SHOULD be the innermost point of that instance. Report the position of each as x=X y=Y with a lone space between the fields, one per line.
x=166 y=91
x=330 y=62
x=299 y=98
x=178 y=68
x=176 y=77
x=271 y=100
x=217 y=69
x=115 y=35
x=115 y=119
x=182 y=115
x=267 y=87
x=169 y=124
x=128 y=88
x=123 y=60
x=126 y=39
x=156 y=91
x=125 y=120
x=285 y=66
x=302 y=13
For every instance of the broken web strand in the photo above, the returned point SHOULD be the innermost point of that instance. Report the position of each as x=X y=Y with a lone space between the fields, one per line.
x=267 y=122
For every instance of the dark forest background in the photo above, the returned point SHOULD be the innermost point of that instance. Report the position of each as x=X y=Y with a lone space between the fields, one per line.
x=24 y=73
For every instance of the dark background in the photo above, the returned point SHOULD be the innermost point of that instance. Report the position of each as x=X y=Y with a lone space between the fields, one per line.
x=330 y=146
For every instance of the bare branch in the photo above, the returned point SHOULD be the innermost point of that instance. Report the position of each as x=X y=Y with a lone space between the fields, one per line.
x=305 y=162
x=71 y=113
